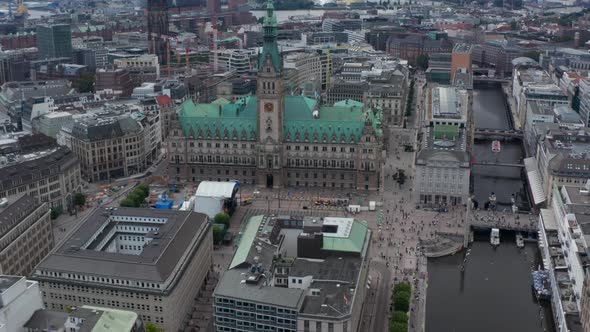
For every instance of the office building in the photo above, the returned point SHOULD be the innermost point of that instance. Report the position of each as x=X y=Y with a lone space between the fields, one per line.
x=460 y=58
x=26 y=235
x=50 y=174
x=115 y=82
x=152 y=262
x=295 y=274
x=563 y=234
x=19 y=299
x=144 y=68
x=112 y=144
x=54 y=41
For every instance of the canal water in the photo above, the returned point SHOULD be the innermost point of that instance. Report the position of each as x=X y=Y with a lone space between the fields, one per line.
x=494 y=291
x=493 y=294
x=490 y=111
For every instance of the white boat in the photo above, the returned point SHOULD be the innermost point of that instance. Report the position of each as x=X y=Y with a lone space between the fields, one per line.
x=495 y=237
x=519 y=240
x=496 y=148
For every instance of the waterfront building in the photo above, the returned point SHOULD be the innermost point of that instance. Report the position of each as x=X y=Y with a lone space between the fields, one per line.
x=50 y=174
x=54 y=41
x=410 y=45
x=497 y=54
x=26 y=235
x=273 y=140
x=442 y=164
x=152 y=262
x=460 y=58
x=563 y=232
x=295 y=274
x=531 y=83
x=19 y=299
x=562 y=159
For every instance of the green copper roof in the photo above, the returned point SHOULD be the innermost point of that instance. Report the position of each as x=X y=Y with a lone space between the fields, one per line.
x=349 y=102
x=303 y=120
x=353 y=243
x=270 y=50
x=220 y=120
x=221 y=101
x=113 y=320
x=248 y=234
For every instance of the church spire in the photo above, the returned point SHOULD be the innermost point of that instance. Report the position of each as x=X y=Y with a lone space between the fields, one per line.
x=270 y=48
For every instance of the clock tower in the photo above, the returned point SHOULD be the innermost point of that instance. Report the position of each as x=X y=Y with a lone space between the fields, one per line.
x=270 y=105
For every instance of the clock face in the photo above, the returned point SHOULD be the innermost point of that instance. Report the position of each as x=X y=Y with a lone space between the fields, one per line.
x=268 y=107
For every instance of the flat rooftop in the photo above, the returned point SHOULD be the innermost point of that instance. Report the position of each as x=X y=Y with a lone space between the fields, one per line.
x=335 y=277
x=162 y=252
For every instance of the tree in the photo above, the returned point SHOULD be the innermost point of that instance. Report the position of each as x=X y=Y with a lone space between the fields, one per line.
x=400 y=316
x=79 y=199
x=398 y=327
x=217 y=235
x=55 y=212
x=151 y=327
x=401 y=301
x=85 y=83
x=422 y=61
x=402 y=287
x=127 y=203
x=222 y=218
x=513 y=25
x=136 y=197
x=144 y=188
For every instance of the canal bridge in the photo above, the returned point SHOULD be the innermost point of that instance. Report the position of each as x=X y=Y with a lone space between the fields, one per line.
x=499 y=132
x=485 y=219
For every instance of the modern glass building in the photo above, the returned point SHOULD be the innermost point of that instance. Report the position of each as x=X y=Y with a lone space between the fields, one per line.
x=54 y=41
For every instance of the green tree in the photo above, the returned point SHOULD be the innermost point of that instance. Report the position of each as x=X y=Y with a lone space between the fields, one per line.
x=422 y=61
x=55 y=212
x=136 y=197
x=85 y=83
x=401 y=301
x=514 y=25
x=400 y=316
x=79 y=199
x=217 y=235
x=144 y=188
x=151 y=327
x=222 y=218
x=402 y=287
x=127 y=203
x=398 y=327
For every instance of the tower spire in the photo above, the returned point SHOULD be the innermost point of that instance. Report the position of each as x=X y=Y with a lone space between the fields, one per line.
x=270 y=48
